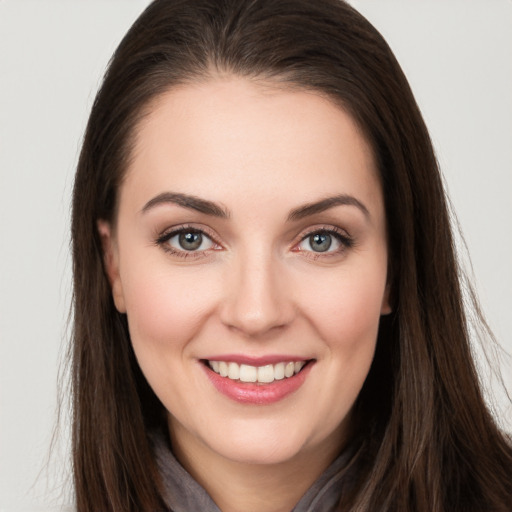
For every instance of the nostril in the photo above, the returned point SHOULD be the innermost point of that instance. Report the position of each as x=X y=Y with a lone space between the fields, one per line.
x=253 y=321
x=255 y=297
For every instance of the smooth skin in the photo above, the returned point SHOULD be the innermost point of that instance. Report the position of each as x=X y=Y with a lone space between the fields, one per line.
x=247 y=276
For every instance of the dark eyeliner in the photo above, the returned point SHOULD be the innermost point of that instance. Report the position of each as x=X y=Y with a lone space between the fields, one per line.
x=345 y=240
x=165 y=236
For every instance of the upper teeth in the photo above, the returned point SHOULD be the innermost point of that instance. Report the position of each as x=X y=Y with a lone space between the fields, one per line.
x=264 y=374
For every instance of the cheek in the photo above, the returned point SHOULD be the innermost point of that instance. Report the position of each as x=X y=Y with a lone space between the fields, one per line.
x=346 y=317
x=347 y=310
x=164 y=308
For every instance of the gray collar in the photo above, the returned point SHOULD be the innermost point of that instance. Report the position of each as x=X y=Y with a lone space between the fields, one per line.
x=183 y=494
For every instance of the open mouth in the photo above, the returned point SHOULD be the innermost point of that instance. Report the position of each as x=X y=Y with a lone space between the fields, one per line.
x=257 y=374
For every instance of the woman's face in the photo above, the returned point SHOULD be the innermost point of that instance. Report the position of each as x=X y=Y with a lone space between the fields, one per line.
x=250 y=257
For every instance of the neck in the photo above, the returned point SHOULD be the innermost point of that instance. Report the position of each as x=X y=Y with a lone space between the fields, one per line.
x=236 y=486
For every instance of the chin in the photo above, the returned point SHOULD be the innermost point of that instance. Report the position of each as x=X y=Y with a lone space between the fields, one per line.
x=260 y=451
x=261 y=442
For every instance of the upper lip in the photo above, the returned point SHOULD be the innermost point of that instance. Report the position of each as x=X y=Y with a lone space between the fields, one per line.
x=257 y=361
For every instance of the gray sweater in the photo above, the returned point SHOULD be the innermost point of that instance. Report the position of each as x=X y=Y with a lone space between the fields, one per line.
x=184 y=494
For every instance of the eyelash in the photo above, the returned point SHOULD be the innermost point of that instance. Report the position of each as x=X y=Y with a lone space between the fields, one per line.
x=346 y=242
x=342 y=237
x=163 y=239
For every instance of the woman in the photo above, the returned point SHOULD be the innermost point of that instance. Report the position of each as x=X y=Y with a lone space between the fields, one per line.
x=268 y=311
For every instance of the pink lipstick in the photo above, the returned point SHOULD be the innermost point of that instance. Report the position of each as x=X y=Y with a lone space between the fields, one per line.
x=257 y=381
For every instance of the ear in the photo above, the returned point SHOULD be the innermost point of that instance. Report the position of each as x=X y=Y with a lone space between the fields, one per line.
x=386 y=308
x=111 y=263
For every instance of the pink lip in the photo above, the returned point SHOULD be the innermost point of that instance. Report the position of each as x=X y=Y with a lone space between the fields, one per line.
x=257 y=394
x=256 y=361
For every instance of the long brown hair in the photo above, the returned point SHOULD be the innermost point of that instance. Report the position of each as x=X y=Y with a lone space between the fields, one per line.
x=427 y=441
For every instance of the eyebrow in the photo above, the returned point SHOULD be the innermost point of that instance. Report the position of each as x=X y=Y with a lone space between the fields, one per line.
x=187 y=201
x=211 y=208
x=325 y=204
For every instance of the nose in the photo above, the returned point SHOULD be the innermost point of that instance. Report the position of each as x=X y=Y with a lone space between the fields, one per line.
x=257 y=299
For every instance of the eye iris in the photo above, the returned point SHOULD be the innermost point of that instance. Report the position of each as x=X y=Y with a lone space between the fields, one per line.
x=190 y=241
x=320 y=242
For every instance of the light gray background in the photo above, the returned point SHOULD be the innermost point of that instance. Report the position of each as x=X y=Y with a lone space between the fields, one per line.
x=458 y=57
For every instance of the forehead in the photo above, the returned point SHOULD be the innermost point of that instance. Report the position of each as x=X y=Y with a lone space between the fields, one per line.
x=235 y=136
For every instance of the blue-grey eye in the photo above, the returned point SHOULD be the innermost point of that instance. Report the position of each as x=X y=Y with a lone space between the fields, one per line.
x=320 y=242
x=189 y=241
x=323 y=241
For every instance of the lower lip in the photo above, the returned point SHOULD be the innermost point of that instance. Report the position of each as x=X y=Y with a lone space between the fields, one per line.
x=257 y=394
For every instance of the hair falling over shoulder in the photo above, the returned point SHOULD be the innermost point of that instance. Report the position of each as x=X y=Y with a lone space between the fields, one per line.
x=427 y=440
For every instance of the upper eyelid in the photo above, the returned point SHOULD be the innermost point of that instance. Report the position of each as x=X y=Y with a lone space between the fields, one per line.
x=169 y=232
x=325 y=229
